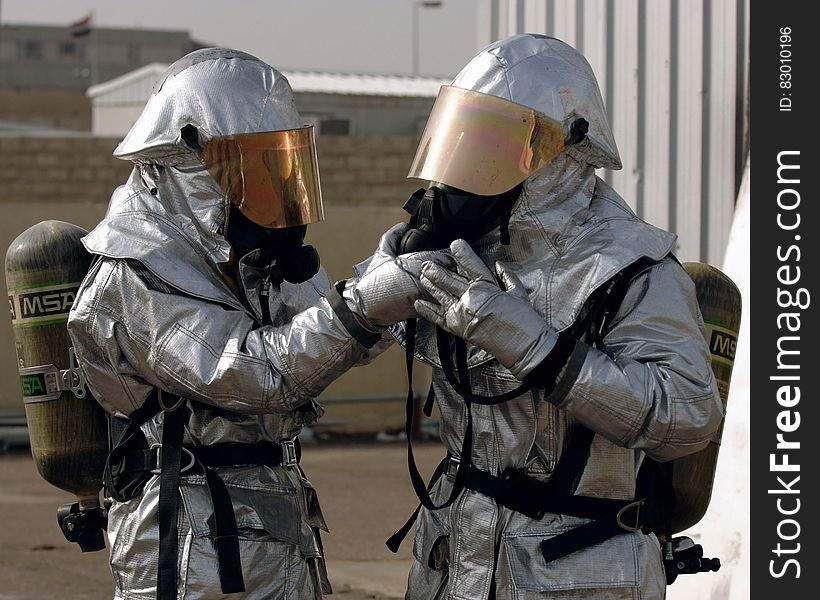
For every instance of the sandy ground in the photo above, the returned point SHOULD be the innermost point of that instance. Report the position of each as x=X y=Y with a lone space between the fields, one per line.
x=364 y=490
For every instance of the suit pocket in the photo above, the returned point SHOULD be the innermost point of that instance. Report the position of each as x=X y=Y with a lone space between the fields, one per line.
x=269 y=507
x=611 y=570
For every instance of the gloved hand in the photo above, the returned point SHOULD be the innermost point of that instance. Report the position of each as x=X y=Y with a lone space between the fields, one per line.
x=471 y=305
x=385 y=293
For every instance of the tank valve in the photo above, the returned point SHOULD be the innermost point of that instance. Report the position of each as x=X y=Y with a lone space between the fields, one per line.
x=83 y=526
x=687 y=558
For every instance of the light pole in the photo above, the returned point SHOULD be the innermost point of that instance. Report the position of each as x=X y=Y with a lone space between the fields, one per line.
x=416 y=5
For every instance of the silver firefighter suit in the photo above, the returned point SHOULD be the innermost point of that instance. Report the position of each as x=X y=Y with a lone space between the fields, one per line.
x=155 y=311
x=647 y=390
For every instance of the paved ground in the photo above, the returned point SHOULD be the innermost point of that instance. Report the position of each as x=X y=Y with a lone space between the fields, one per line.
x=365 y=495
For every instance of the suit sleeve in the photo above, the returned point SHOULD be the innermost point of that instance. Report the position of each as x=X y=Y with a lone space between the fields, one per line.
x=650 y=385
x=129 y=336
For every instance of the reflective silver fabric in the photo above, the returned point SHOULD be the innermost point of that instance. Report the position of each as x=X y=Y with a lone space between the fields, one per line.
x=386 y=287
x=649 y=390
x=218 y=91
x=478 y=310
x=155 y=311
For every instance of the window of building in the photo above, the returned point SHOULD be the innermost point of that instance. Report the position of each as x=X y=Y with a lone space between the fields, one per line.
x=68 y=49
x=324 y=124
x=33 y=50
x=335 y=126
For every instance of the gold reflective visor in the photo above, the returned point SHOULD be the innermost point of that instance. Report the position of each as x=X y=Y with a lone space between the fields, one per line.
x=272 y=177
x=484 y=144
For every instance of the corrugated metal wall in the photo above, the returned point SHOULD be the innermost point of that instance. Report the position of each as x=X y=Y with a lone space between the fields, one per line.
x=674 y=76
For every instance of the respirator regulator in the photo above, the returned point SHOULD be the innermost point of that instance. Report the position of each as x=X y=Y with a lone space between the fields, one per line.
x=441 y=214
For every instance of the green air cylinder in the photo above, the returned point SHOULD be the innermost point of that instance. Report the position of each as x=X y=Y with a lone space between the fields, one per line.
x=693 y=475
x=67 y=428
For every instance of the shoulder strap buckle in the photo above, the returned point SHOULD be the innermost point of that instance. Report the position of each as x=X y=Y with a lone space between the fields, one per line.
x=175 y=406
x=636 y=506
x=290 y=457
x=157 y=464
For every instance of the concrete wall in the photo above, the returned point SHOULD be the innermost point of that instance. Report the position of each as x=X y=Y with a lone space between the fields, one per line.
x=364 y=186
x=64 y=109
x=369 y=115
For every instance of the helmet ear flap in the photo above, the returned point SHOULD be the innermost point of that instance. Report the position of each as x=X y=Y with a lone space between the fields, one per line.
x=190 y=137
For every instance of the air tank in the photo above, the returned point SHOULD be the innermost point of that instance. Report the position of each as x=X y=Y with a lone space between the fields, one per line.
x=693 y=475
x=67 y=428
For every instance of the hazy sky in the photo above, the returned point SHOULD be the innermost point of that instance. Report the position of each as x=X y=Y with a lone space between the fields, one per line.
x=372 y=36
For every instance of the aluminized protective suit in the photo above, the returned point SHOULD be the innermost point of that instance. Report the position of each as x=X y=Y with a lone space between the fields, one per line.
x=648 y=390
x=156 y=311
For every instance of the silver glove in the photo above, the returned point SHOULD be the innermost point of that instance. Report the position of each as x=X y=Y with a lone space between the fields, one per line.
x=471 y=305
x=385 y=293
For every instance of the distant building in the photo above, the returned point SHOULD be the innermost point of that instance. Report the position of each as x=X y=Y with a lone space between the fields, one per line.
x=335 y=103
x=45 y=70
x=36 y=57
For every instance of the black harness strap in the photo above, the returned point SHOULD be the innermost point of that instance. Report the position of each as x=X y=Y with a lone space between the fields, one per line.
x=223 y=524
x=118 y=482
x=428 y=404
x=173 y=425
x=228 y=454
x=462 y=387
x=533 y=498
x=596 y=531
x=567 y=472
x=422 y=491
x=520 y=492
x=225 y=535
x=514 y=489
x=131 y=462
x=397 y=538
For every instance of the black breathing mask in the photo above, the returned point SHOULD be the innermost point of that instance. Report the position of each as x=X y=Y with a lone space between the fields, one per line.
x=442 y=214
x=283 y=249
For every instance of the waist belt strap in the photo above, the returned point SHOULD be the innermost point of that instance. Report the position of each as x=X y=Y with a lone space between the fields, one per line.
x=627 y=518
x=273 y=454
x=522 y=493
x=223 y=526
x=231 y=454
x=166 y=460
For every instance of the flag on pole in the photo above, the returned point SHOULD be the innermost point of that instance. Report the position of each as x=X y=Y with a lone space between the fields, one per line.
x=81 y=27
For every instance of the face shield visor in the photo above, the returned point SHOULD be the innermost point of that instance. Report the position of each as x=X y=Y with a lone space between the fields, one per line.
x=271 y=177
x=484 y=144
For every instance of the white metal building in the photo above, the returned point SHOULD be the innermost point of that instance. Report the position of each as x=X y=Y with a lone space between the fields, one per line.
x=674 y=77
x=336 y=103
